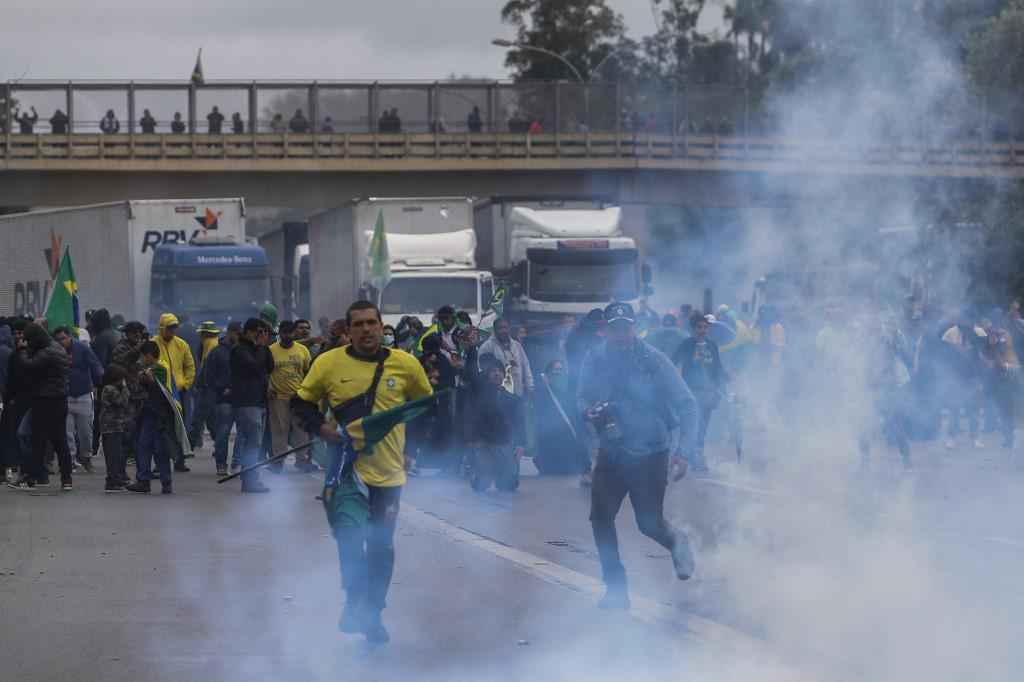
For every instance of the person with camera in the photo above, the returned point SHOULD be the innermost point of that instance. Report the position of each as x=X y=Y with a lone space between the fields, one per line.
x=646 y=419
x=358 y=380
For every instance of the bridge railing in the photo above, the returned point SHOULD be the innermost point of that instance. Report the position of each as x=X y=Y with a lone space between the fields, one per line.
x=504 y=146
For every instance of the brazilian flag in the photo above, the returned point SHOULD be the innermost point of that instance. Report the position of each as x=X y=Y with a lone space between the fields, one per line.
x=345 y=496
x=62 y=308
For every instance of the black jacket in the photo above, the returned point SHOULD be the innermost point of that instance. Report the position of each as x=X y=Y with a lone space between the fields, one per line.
x=48 y=370
x=500 y=418
x=215 y=374
x=251 y=366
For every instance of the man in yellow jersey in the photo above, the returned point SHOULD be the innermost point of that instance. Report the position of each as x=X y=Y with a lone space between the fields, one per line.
x=291 y=362
x=342 y=377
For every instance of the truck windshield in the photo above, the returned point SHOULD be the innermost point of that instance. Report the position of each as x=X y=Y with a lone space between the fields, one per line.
x=584 y=283
x=229 y=295
x=424 y=295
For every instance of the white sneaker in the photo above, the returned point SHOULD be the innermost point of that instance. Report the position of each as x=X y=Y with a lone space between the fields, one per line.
x=978 y=445
x=950 y=444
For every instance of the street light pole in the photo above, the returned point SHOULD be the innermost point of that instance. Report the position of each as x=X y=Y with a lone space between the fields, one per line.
x=498 y=42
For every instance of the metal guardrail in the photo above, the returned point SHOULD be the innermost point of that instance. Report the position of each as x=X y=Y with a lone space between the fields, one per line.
x=264 y=148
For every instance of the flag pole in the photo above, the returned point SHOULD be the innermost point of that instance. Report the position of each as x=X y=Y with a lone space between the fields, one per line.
x=265 y=462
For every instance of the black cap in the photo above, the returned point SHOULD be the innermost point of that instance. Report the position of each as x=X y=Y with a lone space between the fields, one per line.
x=445 y=311
x=595 y=315
x=619 y=312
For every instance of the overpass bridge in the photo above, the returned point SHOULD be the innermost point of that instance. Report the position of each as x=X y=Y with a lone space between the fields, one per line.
x=696 y=147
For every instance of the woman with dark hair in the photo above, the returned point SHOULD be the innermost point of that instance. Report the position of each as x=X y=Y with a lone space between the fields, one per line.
x=115 y=419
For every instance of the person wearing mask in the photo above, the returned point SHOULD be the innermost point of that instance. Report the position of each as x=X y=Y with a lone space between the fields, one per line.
x=115 y=423
x=512 y=356
x=204 y=410
x=216 y=377
x=251 y=367
x=177 y=125
x=47 y=367
x=215 y=122
x=701 y=365
x=499 y=432
x=176 y=354
x=237 y=124
x=86 y=375
x=156 y=422
x=385 y=378
x=110 y=125
x=147 y=123
x=645 y=418
x=389 y=336
x=59 y=123
x=291 y=363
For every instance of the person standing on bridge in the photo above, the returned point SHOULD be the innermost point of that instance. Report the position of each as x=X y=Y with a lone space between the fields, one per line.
x=147 y=123
x=110 y=125
x=348 y=378
x=27 y=121
x=59 y=123
x=299 y=123
x=644 y=416
x=237 y=124
x=215 y=122
x=177 y=125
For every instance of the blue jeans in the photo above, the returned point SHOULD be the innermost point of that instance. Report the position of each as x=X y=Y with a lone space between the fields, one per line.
x=152 y=445
x=249 y=421
x=224 y=418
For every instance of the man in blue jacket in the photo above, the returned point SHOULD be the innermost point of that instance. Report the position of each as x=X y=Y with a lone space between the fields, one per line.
x=645 y=418
x=86 y=375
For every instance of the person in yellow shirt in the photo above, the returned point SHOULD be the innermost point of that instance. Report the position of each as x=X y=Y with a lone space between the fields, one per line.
x=291 y=363
x=366 y=551
x=177 y=356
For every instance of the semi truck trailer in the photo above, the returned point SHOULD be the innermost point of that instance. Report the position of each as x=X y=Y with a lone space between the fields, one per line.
x=138 y=258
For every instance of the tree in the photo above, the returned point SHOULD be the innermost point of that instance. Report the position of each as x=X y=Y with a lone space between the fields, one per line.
x=668 y=53
x=584 y=32
x=995 y=54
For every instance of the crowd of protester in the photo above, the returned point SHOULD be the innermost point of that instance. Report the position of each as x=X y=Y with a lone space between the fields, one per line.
x=151 y=399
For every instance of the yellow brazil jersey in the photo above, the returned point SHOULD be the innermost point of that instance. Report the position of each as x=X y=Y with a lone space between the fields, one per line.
x=290 y=367
x=338 y=376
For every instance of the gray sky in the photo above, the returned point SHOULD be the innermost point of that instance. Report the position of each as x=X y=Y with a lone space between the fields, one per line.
x=264 y=39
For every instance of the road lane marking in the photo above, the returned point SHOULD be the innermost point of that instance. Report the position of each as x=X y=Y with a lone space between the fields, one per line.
x=643 y=609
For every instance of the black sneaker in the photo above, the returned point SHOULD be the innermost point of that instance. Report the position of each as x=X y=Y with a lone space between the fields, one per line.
x=166 y=488
x=181 y=468
x=139 y=487
x=42 y=482
x=66 y=486
x=22 y=484
x=114 y=488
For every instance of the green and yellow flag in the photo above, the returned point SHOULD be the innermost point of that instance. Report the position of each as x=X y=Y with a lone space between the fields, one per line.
x=368 y=431
x=197 y=73
x=380 y=261
x=62 y=308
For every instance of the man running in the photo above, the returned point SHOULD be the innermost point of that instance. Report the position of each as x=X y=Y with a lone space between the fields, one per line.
x=365 y=537
x=640 y=408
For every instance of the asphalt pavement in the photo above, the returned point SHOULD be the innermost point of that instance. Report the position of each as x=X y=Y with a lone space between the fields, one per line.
x=209 y=584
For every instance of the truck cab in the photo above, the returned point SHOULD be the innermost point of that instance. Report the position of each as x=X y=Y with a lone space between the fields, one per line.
x=428 y=271
x=209 y=279
x=570 y=261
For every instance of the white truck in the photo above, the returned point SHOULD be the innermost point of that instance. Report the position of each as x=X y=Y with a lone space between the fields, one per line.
x=558 y=256
x=432 y=248
x=137 y=258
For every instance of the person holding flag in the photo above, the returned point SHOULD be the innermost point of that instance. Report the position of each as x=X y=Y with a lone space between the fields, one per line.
x=372 y=391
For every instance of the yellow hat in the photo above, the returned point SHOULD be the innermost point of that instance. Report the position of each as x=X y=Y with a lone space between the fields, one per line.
x=168 y=320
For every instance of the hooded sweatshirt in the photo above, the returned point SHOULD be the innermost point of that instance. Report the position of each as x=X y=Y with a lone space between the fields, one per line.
x=177 y=356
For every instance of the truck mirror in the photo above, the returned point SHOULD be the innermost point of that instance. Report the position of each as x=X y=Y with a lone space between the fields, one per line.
x=645 y=273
